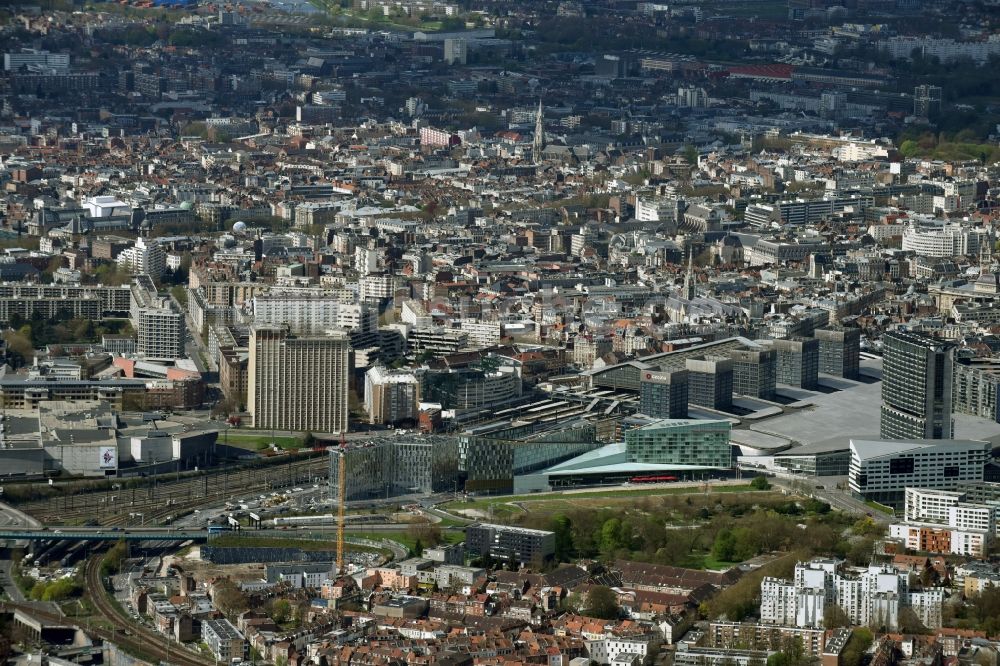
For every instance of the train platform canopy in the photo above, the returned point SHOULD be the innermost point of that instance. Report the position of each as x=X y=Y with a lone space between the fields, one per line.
x=612 y=461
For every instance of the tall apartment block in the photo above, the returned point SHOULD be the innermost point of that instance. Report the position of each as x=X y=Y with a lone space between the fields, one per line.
x=976 y=387
x=916 y=386
x=754 y=372
x=839 y=351
x=798 y=362
x=160 y=329
x=664 y=395
x=391 y=396
x=298 y=383
x=926 y=101
x=710 y=382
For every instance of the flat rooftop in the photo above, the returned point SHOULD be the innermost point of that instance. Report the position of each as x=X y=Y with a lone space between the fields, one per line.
x=853 y=413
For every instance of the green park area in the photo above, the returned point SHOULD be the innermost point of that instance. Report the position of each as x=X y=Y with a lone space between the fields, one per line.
x=689 y=527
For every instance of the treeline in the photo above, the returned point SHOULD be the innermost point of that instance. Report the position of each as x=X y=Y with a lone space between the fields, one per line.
x=25 y=336
x=56 y=590
x=687 y=531
x=568 y=33
x=982 y=613
x=147 y=35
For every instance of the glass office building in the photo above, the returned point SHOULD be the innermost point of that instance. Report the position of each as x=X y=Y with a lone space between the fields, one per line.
x=916 y=386
x=680 y=442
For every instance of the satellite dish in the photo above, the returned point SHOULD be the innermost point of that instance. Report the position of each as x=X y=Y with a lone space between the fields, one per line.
x=239 y=227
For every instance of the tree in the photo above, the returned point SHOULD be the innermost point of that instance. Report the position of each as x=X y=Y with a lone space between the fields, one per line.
x=112 y=562
x=281 y=611
x=816 y=506
x=601 y=603
x=427 y=534
x=854 y=652
x=180 y=294
x=563 y=528
x=724 y=548
x=986 y=607
x=835 y=617
x=760 y=483
x=611 y=535
x=909 y=622
x=790 y=654
x=690 y=154
x=20 y=346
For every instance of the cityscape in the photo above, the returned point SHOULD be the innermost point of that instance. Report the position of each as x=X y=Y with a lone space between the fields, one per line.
x=500 y=333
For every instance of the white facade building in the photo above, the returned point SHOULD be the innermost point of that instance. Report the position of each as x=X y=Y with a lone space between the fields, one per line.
x=145 y=257
x=391 y=396
x=377 y=286
x=106 y=206
x=942 y=522
x=35 y=59
x=482 y=333
x=944 y=240
x=608 y=648
x=312 y=311
x=874 y=597
x=946 y=50
x=883 y=469
x=365 y=260
x=160 y=329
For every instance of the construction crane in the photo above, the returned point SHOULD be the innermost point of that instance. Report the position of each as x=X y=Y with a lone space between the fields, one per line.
x=341 y=502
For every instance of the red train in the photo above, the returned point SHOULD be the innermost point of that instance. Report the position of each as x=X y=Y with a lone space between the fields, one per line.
x=653 y=479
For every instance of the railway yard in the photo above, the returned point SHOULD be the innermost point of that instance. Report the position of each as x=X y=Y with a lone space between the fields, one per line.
x=166 y=498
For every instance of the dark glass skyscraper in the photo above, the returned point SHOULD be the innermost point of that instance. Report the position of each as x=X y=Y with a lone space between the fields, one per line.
x=916 y=387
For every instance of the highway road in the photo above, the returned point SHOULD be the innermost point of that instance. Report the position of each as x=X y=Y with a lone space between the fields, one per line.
x=842 y=500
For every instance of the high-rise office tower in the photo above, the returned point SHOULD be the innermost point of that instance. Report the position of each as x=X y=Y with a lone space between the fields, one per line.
x=754 y=372
x=839 y=351
x=710 y=382
x=798 y=362
x=664 y=395
x=916 y=386
x=298 y=383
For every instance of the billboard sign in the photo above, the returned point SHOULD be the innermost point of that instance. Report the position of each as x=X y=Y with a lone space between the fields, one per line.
x=656 y=377
x=108 y=457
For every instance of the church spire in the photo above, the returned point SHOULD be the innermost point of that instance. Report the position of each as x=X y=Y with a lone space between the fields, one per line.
x=539 y=143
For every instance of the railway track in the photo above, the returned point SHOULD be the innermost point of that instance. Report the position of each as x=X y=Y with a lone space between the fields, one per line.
x=133 y=638
x=142 y=640
x=171 y=497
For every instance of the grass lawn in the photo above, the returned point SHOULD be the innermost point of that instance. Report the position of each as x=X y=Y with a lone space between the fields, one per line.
x=706 y=561
x=880 y=507
x=257 y=441
x=501 y=503
x=403 y=537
